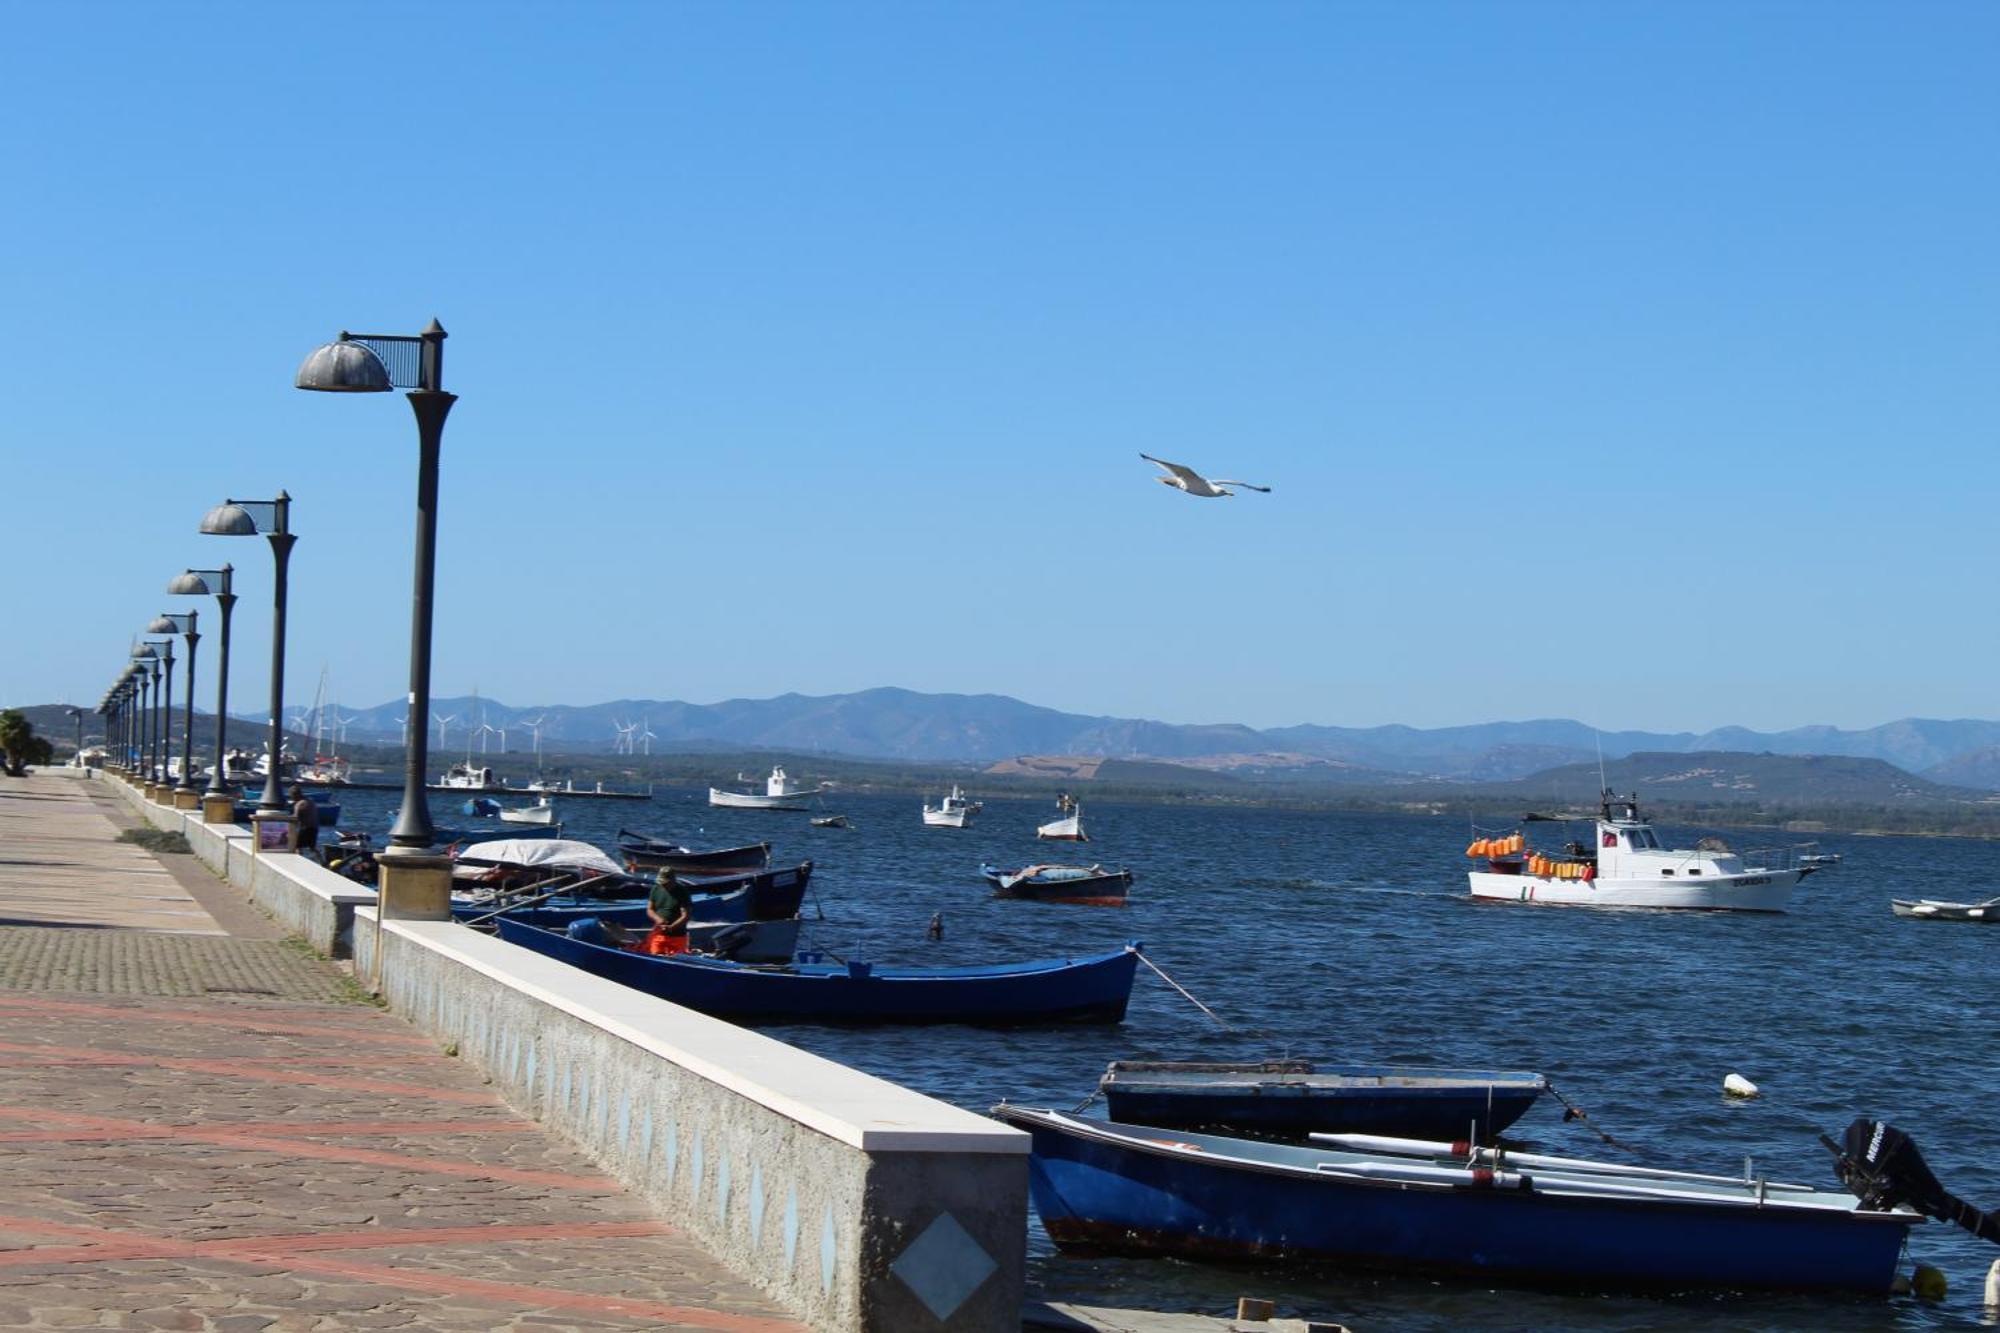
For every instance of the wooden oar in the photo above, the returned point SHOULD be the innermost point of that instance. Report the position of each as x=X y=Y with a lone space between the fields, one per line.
x=1451 y=1151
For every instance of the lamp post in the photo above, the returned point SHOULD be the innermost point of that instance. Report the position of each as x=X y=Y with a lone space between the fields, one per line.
x=200 y=583
x=377 y=363
x=183 y=623
x=147 y=661
x=164 y=702
x=272 y=518
x=76 y=716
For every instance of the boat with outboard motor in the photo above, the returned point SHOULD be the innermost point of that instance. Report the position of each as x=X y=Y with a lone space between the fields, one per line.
x=1066 y=990
x=1295 y=1098
x=1094 y=885
x=1626 y=866
x=1361 y=1201
x=780 y=793
x=954 y=811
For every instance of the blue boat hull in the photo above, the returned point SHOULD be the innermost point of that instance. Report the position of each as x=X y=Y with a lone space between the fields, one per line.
x=1109 y=1198
x=1091 y=990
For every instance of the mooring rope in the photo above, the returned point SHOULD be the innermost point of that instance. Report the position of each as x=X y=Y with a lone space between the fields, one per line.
x=1571 y=1111
x=1226 y=1024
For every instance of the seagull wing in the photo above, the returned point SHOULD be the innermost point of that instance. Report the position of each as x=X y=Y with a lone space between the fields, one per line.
x=1246 y=485
x=1184 y=473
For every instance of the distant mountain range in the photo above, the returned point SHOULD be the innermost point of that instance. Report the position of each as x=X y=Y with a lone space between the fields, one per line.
x=984 y=729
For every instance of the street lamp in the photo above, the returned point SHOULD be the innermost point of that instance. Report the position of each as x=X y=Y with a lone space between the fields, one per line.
x=377 y=363
x=200 y=583
x=170 y=622
x=272 y=518
x=163 y=721
x=76 y=716
x=148 y=663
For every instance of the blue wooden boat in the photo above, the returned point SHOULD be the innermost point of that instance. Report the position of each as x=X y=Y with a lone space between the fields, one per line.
x=1294 y=1098
x=773 y=895
x=1082 y=990
x=1113 y=1188
x=557 y=911
x=640 y=852
x=1061 y=884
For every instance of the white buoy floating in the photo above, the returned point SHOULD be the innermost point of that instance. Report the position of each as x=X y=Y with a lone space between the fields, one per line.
x=1735 y=1085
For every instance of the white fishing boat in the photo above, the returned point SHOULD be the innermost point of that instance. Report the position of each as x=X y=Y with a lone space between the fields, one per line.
x=954 y=811
x=780 y=793
x=543 y=811
x=468 y=776
x=1625 y=866
x=1067 y=828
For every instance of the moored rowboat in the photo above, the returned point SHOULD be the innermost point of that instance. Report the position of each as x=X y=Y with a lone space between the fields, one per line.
x=1129 y=1189
x=1061 y=884
x=640 y=852
x=1083 y=990
x=1294 y=1098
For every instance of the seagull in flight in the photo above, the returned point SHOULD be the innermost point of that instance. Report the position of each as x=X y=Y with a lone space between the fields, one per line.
x=1187 y=479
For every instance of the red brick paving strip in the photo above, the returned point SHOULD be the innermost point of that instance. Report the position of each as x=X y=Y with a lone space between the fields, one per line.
x=175 y=1154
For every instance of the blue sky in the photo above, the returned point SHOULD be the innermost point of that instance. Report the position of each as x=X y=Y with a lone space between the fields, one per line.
x=1628 y=362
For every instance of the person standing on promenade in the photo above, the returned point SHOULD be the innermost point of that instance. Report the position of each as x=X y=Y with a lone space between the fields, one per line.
x=307 y=814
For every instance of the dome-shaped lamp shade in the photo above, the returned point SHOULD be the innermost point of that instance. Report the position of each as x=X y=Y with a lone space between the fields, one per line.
x=163 y=625
x=189 y=584
x=228 y=521
x=344 y=367
x=144 y=653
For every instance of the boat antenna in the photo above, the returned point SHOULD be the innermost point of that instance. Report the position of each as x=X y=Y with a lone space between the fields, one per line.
x=1602 y=785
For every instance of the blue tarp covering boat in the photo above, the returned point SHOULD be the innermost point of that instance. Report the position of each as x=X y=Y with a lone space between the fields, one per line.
x=1112 y=1188
x=1294 y=1098
x=1084 y=990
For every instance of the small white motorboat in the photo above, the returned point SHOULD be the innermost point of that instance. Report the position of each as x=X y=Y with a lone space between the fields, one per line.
x=954 y=811
x=468 y=776
x=1067 y=828
x=543 y=811
x=1936 y=909
x=1625 y=866
x=780 y=793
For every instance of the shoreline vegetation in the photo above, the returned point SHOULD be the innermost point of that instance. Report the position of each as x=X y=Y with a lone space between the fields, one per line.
x=1966 y=814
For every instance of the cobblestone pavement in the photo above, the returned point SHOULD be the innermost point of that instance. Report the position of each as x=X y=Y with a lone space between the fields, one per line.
x=190 y=1160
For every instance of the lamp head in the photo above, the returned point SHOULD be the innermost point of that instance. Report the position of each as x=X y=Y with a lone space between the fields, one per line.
x=228 y=520
x=344 y=367
x=163 y=625
x=189 y=584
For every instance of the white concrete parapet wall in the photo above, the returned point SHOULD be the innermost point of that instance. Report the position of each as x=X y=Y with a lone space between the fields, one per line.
x=858 y=1203
x=304 y=896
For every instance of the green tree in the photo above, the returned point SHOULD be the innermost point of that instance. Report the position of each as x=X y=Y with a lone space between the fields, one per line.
x=19 y=745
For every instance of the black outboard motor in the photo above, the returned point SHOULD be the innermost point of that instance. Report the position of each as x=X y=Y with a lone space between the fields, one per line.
x=1880 y=1166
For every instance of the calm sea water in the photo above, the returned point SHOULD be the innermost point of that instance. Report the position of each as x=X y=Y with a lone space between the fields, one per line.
x=1349 y=937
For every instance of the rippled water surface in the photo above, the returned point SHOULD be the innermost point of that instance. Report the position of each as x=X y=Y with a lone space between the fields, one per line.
x=1349 y=937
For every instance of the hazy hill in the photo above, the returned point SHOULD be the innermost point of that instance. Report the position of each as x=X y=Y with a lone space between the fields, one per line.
x=1715 y=777
x=908 y=726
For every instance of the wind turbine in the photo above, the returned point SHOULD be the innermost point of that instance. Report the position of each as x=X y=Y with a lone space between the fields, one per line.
x=404 y=723
x=343 y=721
x=443 y=720
x=625 y=730
x=534 y=726
x=647 y=735
x=482 y=733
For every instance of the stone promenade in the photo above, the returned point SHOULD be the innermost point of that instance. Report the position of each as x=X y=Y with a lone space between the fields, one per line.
x=203 y=1128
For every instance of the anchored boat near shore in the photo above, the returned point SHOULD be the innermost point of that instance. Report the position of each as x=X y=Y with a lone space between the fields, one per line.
x=1625 y=866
